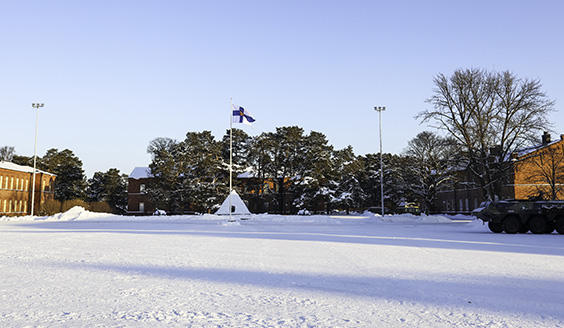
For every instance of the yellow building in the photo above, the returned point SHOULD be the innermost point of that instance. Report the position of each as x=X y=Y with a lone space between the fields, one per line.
x=16 y=187
x=539 y=171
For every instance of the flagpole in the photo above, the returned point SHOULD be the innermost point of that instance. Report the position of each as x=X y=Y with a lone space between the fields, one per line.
x=230 y=155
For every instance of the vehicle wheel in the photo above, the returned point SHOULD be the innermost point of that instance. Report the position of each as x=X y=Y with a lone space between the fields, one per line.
x=537 y=224
x=495 y=227
x=560 y=225
x=512 y=225
x=550 y=227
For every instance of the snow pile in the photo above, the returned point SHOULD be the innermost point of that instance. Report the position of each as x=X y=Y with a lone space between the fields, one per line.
x=75 y=213
x=233 y=204
x=410 y=218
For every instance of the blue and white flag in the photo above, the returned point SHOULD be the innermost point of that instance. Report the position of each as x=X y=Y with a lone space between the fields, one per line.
x=241 y=115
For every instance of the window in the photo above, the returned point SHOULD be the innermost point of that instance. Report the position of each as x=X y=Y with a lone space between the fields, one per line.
x=467 y=205
x=1 y=181
x=142 y=187
x=141 y=207
x=12 y=183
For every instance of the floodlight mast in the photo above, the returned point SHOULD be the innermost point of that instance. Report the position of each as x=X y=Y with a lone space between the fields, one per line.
x=36 y=106
x=380 y=110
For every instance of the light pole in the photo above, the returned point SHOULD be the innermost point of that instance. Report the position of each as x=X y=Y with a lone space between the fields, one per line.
x=380 y=110
x=36 y=106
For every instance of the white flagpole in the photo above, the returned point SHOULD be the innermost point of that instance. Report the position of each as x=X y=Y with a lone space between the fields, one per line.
x=230 y=155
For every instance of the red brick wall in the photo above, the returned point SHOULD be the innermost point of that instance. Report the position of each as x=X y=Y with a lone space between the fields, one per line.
x=532 y=169
x=136 y=196
x=15 y=191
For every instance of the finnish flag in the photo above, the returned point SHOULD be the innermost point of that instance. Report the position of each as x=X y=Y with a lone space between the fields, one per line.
x=241 y=115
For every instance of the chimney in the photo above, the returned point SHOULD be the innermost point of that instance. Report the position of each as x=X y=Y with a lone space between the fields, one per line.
x=546 y=138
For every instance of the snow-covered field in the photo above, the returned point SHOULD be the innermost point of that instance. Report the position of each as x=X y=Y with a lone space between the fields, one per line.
x=80 y=269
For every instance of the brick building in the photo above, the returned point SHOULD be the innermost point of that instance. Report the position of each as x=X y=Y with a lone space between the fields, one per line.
x=16 y=187
x=534 y=172
x=539 y=171
x=138 y=202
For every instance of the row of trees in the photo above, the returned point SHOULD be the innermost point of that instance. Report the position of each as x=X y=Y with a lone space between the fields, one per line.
x=109 y=187
x=193 y=173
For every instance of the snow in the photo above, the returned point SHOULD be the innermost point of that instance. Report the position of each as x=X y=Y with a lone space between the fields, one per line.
x=233 y=204
x=83 y=269
x=20 y=168
x=140 y=173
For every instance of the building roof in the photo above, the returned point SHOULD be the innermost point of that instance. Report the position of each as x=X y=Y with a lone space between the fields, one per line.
x=528 y=150
x=20 y=168
x=140 y=172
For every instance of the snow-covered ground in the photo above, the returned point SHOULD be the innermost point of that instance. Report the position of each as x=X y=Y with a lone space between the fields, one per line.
x=81 y=269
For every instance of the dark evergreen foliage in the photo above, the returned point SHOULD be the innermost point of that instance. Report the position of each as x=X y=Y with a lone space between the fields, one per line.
x=71 y=181
x=109 y=187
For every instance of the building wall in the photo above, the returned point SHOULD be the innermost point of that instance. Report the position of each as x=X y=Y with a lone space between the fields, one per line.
x=15 y=191
x=463 y=198
x=266 y=195
x=138 y=203
x=537 y=170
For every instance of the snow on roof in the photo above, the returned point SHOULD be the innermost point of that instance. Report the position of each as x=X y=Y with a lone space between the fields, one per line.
x=246 y=174
x=20 y=168
x=140 y=173
x=528 y=150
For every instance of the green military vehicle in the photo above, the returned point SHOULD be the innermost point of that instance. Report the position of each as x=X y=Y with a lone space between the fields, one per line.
x=513 y=216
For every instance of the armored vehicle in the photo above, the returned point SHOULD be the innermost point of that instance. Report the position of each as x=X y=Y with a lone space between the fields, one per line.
x=513 y=216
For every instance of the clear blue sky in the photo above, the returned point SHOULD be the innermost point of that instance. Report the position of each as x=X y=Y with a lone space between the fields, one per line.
x=116 y=74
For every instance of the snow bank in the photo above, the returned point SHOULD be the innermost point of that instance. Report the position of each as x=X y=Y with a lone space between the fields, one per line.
x=410 y=218
x=75 y=213
x=80 y=214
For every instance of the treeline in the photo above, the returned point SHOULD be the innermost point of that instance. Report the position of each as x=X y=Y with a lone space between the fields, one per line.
x=104 y=192
x=193 y=174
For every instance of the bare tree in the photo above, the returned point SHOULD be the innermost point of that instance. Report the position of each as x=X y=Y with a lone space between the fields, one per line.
x=7 y=154
x=490 y=115
x=432 y=159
